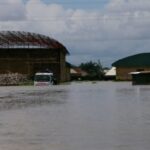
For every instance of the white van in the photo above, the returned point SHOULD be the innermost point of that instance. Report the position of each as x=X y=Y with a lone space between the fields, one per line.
x=43 y=79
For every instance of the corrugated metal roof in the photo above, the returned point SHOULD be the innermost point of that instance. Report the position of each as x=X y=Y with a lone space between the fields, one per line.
x=20 y=39
x=73 y=71
x=78 y=71
x=138 y=60
x=111 y=72
x=140 y=72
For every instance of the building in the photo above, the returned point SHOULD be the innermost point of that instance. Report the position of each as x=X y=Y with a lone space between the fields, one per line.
x=134 y=63
x=141 y=78
x=77 y=73
x=110 y=74
x=28 y=53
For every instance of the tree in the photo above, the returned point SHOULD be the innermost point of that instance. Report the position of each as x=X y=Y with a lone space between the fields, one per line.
x=94 y=70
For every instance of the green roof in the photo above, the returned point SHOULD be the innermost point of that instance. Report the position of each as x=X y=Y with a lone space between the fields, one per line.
x=138 y=60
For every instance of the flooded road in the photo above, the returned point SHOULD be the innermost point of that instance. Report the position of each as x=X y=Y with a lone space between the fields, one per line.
x=77 y=116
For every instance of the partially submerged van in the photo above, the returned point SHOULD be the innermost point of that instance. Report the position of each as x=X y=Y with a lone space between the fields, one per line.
x=43 y=79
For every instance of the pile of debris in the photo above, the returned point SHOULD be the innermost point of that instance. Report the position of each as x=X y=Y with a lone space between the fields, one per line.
x=12 y=79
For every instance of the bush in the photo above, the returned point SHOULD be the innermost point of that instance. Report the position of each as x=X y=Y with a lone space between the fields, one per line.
x=94 y=70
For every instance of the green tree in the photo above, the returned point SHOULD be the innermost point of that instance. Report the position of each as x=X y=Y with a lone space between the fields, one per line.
x=94 y=70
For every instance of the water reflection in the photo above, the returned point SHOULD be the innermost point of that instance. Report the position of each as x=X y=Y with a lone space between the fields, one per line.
x=18 y=99
x=79 y=116
x=132 y=115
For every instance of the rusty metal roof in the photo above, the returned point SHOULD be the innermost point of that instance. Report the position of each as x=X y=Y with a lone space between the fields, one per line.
x=26 y=40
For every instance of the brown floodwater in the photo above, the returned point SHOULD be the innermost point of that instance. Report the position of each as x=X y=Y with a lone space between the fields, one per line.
x=75 y=116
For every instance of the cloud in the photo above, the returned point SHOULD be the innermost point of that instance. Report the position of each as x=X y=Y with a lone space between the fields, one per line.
x=12 y=10
x=118 y=30
x=128 y=5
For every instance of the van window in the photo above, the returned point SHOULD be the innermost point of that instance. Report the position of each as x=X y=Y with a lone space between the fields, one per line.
x=42 y=78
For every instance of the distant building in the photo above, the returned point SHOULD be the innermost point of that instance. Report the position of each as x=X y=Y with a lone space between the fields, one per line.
x=28 y=53
x=77 y=73
x=141 y=78
x=134 y=63
x=110 y=74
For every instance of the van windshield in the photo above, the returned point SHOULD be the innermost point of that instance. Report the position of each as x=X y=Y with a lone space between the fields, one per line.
x=40 y=78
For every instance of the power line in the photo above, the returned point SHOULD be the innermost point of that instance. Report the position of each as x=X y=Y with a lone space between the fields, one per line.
x=66 y=2
x=82 y=1
x=53 y=2
x=72 y=18
x=107 y=40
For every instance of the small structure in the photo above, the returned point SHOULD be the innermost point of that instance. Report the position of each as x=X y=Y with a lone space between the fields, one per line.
x=141 y=78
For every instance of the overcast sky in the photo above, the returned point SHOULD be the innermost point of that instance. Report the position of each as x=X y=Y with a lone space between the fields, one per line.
x=104 y=30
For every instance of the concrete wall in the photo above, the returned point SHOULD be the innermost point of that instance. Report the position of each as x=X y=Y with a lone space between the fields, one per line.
x=122 y=73
x=68 y=77
x=62 y=67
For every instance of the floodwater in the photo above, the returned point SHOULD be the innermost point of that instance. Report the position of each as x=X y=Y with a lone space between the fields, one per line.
x=77 y=116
